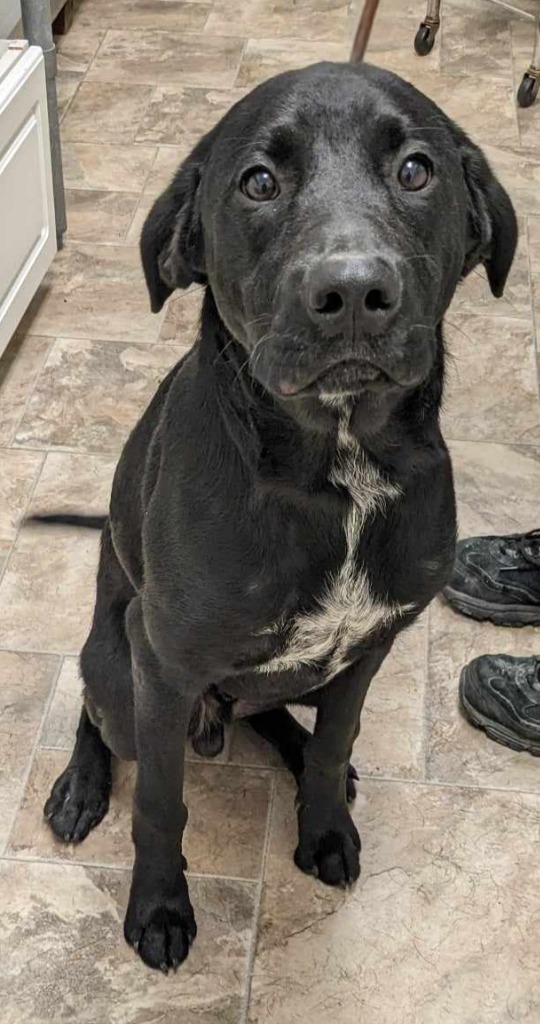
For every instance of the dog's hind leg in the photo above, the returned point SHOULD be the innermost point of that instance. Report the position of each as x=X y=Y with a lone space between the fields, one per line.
x=282 y=730
x=80 y=796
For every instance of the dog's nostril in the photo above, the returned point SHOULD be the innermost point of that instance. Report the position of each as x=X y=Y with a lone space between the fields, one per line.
x=333 y=303
x=376 y=300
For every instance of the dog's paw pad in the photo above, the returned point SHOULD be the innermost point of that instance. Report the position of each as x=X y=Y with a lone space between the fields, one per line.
x=334 y=857
x=163 y=941
x=78 y=802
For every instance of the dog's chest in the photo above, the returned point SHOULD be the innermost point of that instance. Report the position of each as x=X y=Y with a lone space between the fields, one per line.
x=346 y=612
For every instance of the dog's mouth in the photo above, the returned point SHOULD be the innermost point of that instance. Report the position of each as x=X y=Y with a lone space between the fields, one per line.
x=351 y=376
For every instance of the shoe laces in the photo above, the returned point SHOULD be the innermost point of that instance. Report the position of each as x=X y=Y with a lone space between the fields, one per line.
x=527 y=546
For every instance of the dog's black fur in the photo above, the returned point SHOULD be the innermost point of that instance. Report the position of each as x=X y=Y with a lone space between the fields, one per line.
x=227 y=513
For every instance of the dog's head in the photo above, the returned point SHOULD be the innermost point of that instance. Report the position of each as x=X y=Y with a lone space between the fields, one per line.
x=332 y=212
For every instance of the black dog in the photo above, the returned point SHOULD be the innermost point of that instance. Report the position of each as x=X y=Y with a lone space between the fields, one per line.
x=285 y=506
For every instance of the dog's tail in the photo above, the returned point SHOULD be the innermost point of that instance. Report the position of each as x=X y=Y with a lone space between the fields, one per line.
x=70 y=519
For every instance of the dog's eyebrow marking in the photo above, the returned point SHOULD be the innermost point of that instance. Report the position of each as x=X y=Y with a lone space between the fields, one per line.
x=390 y=131
x=281 y=143
x=347 y=612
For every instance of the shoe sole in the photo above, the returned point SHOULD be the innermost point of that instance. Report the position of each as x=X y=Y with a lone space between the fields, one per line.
x=499 y=614
x=495 y=731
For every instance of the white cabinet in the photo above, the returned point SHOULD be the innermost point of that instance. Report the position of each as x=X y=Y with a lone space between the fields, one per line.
x=27 y=225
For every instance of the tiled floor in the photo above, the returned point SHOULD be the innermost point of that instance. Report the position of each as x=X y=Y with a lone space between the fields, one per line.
x=444 y=925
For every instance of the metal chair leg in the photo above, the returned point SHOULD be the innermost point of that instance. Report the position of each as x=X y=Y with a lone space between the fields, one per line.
x=427 y=30
x=530 y=82
x=363 y=31
x=36 y=15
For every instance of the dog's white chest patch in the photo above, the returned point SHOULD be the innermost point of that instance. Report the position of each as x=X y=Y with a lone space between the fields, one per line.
x=347 y=612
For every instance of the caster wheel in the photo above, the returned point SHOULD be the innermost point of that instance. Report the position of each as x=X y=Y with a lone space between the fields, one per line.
x=528 y=90
x=424 y=39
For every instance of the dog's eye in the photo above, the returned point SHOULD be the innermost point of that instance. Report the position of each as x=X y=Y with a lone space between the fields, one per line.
x=415 y=172
x=259 y=185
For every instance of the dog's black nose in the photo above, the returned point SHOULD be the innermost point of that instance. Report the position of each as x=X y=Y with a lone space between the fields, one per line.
x=361 y=291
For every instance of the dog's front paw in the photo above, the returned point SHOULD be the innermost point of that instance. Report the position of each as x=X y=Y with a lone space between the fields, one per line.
x=332 y=854
x=79 y=800
x=160 y=929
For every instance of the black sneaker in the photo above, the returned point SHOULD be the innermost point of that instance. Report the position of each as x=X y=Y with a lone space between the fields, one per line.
x=501 y=695
x=498 y=578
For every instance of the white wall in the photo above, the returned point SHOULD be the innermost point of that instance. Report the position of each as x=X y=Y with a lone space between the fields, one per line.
x=10 y=15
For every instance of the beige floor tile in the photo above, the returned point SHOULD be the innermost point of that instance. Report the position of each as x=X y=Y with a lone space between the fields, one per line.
x=247 y=748
x=178 y=115
x=140 y=14
x=497 y=486
x=67 y=83
x=456 y=752
x=20 y=366
x=91 y=394
x=47 y=592
x=443 y=924
x=391 y=742
x=110 y=168
x=529 y=118
x=167 y=162
x=476 y=43
x=18 y=475
x=167 y=57
x=94 y=291
x=76 y=49
x=63 y=955
x=519 y=172
x=486 y=111
x=62 y=717
x=107 y=112
x=144 y=206
x=491 y=389
x=394 y=27
x=534 y=255
x=26 y=684
x=404 y=61
x=265 y=57
x=225 y=835
x=473 y=294
x=311 y=19
x=523 y=34
x=522 y=44
x=94 y=216
x=181 y=317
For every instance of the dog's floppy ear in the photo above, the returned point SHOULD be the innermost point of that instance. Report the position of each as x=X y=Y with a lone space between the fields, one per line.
x=492 y=225
x=172 y=249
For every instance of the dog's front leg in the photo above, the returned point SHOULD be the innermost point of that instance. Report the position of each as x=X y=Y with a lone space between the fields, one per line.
x=159 y=924
x=328 y=841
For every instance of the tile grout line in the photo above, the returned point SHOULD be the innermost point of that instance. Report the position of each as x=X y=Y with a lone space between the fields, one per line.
x=70 y=102
x=140 y=195
x=245 y=41
x=425 y=722
x=252 y=952
x=514 y=80
x=31 y=757
x=21 y=446
x=495 y=317
x=31 y=393
x=76 y=93
x=278 y=771
x=24 y=513
x=11 y=858
x=533 y=313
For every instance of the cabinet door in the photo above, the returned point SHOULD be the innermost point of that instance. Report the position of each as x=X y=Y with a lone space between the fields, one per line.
x=27 y=226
